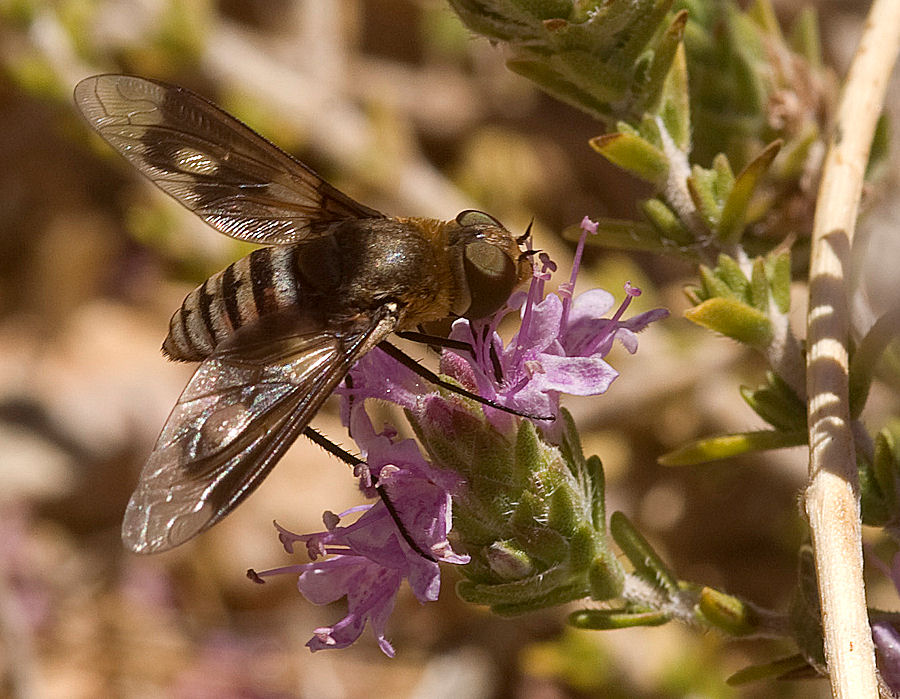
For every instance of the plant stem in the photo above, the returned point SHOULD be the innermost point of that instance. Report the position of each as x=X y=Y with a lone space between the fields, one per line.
x=832 y=497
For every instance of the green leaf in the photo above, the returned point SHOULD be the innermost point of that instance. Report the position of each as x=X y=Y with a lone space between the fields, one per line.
x=552 y=82
x=866 y=356
x=776 y=403
x=734 y=212
x=570 y=446
x=886 y=467
x=667 y=83
x=805 y=35
x=712 y=286
x=724 y=177
x=633 y=154
x=778 y=272
x=759 y=286
x=529 y=511
x=594 y=468
x=555 y=597
x=668 y=225
x=793 y=160
x=874 y=504
x=529 y=456
x=517 y=591
x=733 y=319
x=730 y=614
x=647 y=564
x=763 y=13
x=608 y=619
x=730 y=272
x=547 y=547
x=767 y=671
x=509 y=562
x=694 y=294
x=730 y=445
x=805 y=612
x=701 y=186
x=563 y=514
x=880 y=148
x=606 y=576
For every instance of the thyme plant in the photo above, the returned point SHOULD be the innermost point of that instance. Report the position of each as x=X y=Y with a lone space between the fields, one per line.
x=724 y=115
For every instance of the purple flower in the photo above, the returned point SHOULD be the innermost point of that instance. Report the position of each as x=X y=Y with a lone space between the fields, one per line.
x=885 y=633
x=887 y=645
x=366 y=561
x=559 y=348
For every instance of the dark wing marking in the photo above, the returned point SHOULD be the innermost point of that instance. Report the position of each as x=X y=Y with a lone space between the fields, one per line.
x=235 y=419
x=226 y=173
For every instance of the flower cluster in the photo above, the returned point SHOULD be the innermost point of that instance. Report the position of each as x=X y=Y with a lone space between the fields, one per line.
x=367 y=560
x=559 y=348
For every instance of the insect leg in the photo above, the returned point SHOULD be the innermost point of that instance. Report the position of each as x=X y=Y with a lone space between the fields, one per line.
x=429 y=375
x=321 y=440
x=435 y=340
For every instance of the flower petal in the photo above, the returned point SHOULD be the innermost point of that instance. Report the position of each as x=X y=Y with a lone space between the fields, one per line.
x=577 y=376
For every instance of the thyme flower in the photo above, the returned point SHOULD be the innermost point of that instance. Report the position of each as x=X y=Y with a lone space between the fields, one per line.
x=559 y=348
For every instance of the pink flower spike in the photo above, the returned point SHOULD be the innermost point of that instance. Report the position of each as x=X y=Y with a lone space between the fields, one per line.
x=559 y=347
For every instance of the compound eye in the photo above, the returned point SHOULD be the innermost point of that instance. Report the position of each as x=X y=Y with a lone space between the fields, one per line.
x=471 y=217
x=490 y=276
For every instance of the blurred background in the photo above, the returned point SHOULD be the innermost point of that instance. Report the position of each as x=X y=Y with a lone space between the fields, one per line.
x=395 y=103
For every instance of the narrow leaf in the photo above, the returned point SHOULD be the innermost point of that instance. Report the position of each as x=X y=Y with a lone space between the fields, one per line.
x=633 y=154
x=606 y=576
x=665 y=221
x=777 y=404
x=730 y=272
x=668 y=72
x=733 y=319
x=712 y=285
x=759 y=286
x=728 y=613
x=700 y=186
x=805 y=37
x=647 y=564
x=886 y=466
x=733 y=218
x=777 y=668
x=778 y=271
x=867 y=355
x=608 y=619
x=594 y=468
x=730 y=445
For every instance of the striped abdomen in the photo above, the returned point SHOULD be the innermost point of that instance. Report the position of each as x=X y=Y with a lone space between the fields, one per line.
x=263 y=282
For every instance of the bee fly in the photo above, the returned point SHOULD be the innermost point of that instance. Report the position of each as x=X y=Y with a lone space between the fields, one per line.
x=279 y=329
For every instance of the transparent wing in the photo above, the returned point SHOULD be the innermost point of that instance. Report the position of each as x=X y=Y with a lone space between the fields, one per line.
x=236 y=417
x=226 y=173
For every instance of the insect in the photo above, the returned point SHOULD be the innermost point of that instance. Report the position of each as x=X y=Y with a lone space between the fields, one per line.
x=278 y=330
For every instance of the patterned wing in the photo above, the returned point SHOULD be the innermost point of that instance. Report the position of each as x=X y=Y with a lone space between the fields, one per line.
x=236 y=417
x=226 y=173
